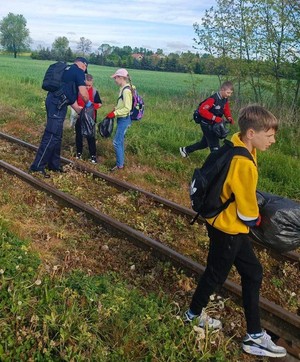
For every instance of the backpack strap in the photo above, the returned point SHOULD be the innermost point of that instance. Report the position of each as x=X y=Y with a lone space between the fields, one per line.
x=235 y=151
x=121 y=95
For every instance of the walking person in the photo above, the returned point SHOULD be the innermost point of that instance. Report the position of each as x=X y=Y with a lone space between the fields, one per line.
x=211 y=111
x=94 y=97
x=48 y=153
x=228 y=234
x=122 y=113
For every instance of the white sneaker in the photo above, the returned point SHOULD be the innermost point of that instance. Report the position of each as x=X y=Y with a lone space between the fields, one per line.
x=183 y=152
x=204 y=321
x=93 y=159
x=262 y=346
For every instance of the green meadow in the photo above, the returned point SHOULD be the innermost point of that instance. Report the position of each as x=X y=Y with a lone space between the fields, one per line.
x=170 y=99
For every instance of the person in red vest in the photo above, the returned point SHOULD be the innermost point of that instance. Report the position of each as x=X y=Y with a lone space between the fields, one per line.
x=94 y=97
x=211 y=111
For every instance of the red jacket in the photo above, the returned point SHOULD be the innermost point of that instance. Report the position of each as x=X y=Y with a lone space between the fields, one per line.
x=214 y=107
x=93 y=97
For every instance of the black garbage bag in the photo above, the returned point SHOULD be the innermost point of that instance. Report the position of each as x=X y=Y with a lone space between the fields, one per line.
x=280 y=222
x=87 y=122
x=106 y=127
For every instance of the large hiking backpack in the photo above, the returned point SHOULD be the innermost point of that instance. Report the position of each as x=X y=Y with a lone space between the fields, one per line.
x=207 y=181
x=53 y=77
x=138 y=105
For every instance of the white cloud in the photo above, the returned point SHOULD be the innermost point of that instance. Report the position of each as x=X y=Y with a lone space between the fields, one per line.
x=161 y=23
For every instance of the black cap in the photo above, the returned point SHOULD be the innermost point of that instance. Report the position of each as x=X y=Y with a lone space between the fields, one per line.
x=82 y=60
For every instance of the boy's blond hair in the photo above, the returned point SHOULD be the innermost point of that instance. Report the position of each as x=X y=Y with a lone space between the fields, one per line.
x=258 y=118
x=227 y=85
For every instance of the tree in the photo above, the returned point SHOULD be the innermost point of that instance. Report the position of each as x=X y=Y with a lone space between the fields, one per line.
x=84 y=46
x=60 y=48
x=14 y=36
x=104 y=50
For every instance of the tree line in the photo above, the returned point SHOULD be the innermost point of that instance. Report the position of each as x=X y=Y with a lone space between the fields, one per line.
x=253 y=43
x=126 y=56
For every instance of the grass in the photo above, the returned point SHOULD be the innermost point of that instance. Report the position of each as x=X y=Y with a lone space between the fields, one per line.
x=47 y=315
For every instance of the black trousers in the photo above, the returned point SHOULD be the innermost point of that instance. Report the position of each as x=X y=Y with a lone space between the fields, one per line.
x=79 y=140
x=224 y=251
x=209 y=139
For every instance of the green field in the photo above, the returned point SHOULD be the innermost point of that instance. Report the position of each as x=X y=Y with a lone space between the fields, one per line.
x=170 y=99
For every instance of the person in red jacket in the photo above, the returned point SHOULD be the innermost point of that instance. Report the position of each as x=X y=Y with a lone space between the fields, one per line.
x=211 y=111
x=94 y=97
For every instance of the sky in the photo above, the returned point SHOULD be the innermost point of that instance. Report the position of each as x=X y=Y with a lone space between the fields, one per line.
x=150 y=24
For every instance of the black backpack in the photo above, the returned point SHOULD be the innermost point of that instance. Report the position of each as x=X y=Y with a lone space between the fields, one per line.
x=207 y=181
x=53 y=77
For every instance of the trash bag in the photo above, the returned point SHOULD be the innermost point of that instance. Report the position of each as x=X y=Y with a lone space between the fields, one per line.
x=220 y=129
x=280 y=222
x=105 y=127
x=87 y=122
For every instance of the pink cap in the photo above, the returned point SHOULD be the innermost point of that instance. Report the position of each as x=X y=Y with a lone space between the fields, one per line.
x=120 y=73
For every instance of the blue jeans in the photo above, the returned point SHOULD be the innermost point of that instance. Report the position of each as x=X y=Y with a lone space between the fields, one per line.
x=122 y=125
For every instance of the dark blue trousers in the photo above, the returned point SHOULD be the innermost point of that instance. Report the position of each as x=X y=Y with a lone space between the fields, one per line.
x=48 y=153
x=209 y=139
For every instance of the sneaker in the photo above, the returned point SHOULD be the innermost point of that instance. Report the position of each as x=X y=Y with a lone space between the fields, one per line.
x=116 y=168
x=183 y=152
x=262 y=346
x=79 y=156
x=93 y=159
x=204 y=320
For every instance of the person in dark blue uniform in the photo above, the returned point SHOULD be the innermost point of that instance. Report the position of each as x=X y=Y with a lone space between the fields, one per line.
x=48 y=153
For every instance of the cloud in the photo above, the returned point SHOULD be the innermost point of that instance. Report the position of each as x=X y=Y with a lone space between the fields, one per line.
x=161 y=23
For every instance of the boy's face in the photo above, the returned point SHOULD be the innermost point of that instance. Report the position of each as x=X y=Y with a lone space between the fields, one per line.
x=88 y=84
x=226 y=93
x=262 y=140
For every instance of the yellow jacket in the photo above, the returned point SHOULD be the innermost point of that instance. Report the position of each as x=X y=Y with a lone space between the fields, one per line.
x=242 y=182
x=124 y=104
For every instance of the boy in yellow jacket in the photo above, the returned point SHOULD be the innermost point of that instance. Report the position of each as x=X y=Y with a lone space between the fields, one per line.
x=229 y=243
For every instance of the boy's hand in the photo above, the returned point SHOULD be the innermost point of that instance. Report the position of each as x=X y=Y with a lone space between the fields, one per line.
x=230 y=120
x=88 y=104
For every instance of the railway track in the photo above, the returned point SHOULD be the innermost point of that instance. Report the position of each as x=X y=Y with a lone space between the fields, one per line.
x=274 y=318
x=119 y=184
